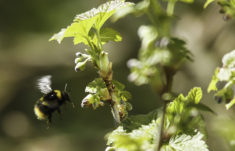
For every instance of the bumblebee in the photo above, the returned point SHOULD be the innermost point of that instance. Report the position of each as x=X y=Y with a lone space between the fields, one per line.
x=51 y=101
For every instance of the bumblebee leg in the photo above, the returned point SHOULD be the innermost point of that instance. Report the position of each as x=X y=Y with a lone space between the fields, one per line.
x=72 y=104
x=59 y=111
x=49 y=118
x=49 y=121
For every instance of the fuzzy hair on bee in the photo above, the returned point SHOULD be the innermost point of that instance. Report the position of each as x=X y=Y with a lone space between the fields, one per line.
x=51 y=101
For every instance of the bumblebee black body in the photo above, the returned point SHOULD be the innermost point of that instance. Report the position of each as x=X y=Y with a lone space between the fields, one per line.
x=50 y=103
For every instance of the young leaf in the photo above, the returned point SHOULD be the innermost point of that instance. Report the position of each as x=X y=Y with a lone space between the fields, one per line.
x=118 y=85
x=195 y=95
x=207 y=3
x=183 y=112
x=187 y=143
x=92 y=100
x=141 y=139
x=230 y=104
x=95 y=86
x=212 y=86
x=98 y=88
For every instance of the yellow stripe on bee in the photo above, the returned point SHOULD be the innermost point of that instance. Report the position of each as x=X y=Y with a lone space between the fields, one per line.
x=45 y=103
x=39 y=114
x=58 y=94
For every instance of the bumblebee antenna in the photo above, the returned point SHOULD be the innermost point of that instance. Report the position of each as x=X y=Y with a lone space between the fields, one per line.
x=65 y=87
x=68 y=91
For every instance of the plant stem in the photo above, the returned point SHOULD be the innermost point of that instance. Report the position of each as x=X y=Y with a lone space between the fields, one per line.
x=170 y=7
x=108 y=82
x=161 y=128
x=169 y=73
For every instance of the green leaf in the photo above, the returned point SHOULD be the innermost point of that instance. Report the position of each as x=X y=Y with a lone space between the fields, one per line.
x=103 y=12
x=118 y=85
x=141 y=139
x=187 y=1
x=137 y=9
x=125 y=95
x=230 y=104
x=136 y=121
x=95 y=18
x=207 y=3
x=184 y=1
x=109 y=34
x=212 y=86
x=183 y=113
x=202 y=107
x=195 y=95
x=142 y=136
x=92 y=100
x=106 y=35
x=186 y=143
x=177 y=105
x=59 y=36
x=227 y=8
x=95 y=86
x=98 y=88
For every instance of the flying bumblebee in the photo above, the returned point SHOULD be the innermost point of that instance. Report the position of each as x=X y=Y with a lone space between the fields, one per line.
x=50 y=101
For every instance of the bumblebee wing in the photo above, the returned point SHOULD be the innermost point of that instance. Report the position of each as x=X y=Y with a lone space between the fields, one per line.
x=44 y=84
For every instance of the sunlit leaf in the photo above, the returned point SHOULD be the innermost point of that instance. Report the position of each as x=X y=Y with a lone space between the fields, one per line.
x=212 y=86
x=95 y=18
x=59 y=36
x=141 y=139
x=195 y=95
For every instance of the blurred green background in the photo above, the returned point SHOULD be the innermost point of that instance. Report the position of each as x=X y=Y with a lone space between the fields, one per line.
x=26 y=54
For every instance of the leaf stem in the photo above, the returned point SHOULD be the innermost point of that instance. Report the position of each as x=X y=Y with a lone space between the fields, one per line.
x=99 y=39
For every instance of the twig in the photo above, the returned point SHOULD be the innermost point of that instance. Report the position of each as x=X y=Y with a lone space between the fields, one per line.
x=110 y=87
x=169 y=79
